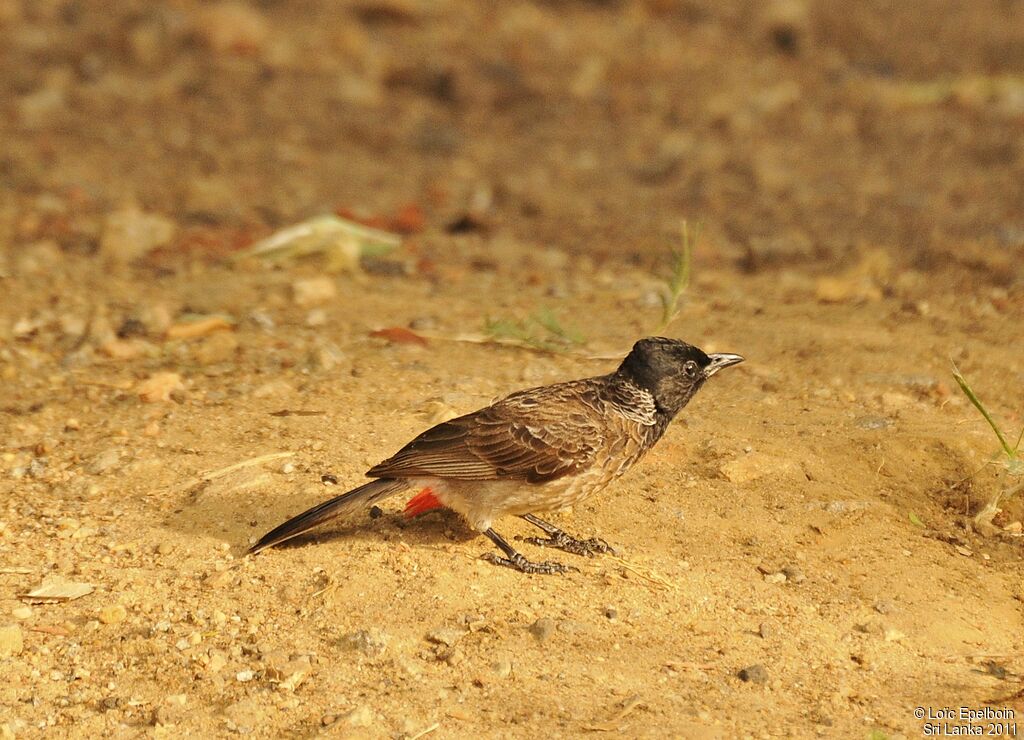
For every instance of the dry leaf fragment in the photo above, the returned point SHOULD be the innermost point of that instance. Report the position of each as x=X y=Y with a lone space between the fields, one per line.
x=57 y=589
x=399 y=335
x=340 y=241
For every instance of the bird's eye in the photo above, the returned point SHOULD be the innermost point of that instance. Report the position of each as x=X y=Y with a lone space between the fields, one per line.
x=690 y=368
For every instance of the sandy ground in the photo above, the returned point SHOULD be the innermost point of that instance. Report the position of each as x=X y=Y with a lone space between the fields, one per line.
x=797 y=557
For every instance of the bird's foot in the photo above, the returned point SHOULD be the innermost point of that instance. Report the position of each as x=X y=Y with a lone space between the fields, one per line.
x=517 y=561
x=568 y=543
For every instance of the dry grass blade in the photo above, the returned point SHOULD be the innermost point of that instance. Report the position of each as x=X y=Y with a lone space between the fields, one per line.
x=221 y=472
x=425 y=731
x=644 y=574
x=212 y=475
x=508 y=341
x=613 y=725
x=330 y=584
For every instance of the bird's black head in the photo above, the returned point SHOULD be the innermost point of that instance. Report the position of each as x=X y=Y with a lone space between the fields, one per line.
x=671 y=370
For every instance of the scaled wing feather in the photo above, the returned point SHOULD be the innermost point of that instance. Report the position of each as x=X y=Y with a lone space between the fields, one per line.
x=509 y=440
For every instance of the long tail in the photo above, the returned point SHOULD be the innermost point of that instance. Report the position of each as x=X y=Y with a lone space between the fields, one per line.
x=346 y=502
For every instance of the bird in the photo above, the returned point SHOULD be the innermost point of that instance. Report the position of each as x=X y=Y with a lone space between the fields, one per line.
x=534 y=451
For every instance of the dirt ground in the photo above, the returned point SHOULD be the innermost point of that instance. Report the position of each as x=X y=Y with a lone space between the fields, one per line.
x=797 y=557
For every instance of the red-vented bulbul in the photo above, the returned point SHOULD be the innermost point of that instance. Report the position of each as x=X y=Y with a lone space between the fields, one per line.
x=537 y=450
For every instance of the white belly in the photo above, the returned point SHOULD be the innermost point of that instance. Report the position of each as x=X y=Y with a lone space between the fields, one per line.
x=481 y=502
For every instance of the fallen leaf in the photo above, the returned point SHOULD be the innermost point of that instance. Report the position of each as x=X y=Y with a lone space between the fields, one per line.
x=409 y=219
x=340 y=241
x=58 y=589
x=399 y=335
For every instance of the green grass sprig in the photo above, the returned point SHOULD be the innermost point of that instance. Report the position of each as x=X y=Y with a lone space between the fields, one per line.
x=678 y=280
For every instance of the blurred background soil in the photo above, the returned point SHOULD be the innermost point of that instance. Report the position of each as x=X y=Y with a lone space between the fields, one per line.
x=799 y=556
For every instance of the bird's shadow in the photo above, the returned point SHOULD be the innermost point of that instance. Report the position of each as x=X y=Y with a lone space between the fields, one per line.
x=239 y=520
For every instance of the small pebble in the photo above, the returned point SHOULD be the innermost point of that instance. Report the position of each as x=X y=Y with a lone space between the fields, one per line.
x=293 y=673
x=754 y=674
x=219 y=579
x=884 y=606
x=453 y=656
x=764 y=630
x=104 y=461
x=371 y=642
x=871 y=627
x=22 y=612
x=326 y=357
x=794 y=574
x=542 y=629
x=130 y=233
x=872 y=422
x=245 y=676
x=502 y=668
x=445 y=636
x=160 y=388
x=611 y=613
x=312 y=291
x=113 y=614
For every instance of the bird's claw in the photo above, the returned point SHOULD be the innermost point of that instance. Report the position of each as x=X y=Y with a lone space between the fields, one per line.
x=520 y=563
x=562 y=541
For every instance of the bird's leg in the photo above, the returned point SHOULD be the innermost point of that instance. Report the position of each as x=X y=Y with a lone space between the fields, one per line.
x=559 y=539
x=517 y=560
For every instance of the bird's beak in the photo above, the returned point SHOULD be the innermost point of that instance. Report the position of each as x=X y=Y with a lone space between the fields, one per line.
x=718 y=361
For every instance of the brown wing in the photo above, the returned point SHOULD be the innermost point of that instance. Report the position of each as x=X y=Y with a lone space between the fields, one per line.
x=536 y=435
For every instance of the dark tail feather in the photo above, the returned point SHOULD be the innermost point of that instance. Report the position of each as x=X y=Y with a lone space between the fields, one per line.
x=346 y=502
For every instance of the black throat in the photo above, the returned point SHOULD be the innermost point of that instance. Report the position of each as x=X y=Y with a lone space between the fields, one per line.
x=660 y=379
